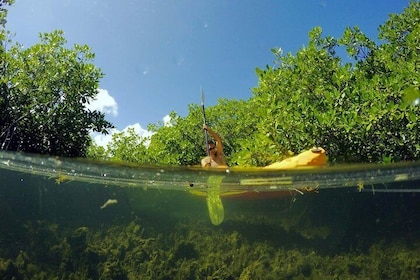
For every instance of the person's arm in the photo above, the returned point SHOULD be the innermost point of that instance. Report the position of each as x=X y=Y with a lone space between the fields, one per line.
x=219 y=142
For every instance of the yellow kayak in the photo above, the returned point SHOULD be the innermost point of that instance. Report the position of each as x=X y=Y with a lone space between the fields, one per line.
x=312 y=158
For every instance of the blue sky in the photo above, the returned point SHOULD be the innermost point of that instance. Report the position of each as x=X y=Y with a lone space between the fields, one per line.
x=157 y=54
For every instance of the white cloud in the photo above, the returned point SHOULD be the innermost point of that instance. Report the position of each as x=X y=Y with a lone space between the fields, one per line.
x=104 y=103
x=139 y=130
x=167 y=120
x=103 y=140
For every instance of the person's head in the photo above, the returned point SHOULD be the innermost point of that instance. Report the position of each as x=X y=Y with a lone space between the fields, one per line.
x=212 y=148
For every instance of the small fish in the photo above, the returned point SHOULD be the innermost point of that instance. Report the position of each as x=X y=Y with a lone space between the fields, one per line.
x=360 y=186
x=61 y=178
x=109 y=202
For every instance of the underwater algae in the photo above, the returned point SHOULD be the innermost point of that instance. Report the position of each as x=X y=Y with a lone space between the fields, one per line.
x=165 y=247
x=131 y=252
x=80 y=230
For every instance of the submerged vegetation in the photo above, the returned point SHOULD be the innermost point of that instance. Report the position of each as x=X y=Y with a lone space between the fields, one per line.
x=52 y=231
x=129 y=252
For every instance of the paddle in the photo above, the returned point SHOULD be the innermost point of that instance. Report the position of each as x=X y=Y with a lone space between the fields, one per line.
x=214 y=203
x=206 y=137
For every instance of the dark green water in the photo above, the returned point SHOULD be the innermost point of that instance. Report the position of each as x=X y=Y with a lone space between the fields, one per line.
x=61 y=230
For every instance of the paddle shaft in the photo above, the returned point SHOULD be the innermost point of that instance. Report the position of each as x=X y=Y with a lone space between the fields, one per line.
x=206 y=137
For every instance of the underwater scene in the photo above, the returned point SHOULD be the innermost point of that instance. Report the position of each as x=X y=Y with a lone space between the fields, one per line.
x=74 y=219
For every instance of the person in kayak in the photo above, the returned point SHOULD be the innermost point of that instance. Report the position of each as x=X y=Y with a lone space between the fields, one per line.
x=216 y=157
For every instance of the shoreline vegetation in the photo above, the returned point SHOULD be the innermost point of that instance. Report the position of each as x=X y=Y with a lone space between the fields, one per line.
x=354 y=96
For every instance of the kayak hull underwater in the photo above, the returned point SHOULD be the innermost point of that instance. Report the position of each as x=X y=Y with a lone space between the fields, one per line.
x=313 y=158
x=247 y=195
